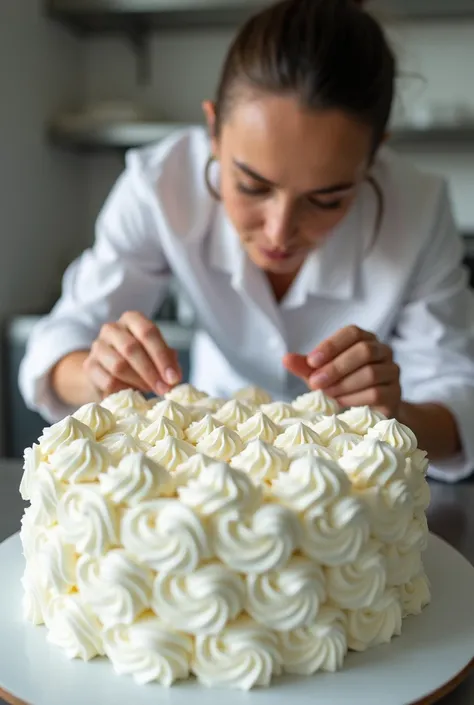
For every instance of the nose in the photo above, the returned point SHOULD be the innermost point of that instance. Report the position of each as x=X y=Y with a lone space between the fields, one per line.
x=279 y=222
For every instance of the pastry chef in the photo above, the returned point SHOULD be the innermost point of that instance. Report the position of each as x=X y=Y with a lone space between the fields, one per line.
x=313 y=256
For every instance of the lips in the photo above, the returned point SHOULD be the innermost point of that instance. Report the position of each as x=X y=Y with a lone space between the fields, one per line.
x=276 y=255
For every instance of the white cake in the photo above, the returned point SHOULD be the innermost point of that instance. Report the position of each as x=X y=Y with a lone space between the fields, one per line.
x=233 y=541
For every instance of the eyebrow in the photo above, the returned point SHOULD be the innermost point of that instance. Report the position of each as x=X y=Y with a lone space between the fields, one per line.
x=335 y=188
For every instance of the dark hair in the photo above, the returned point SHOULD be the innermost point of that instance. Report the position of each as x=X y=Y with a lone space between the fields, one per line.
x=328 y=53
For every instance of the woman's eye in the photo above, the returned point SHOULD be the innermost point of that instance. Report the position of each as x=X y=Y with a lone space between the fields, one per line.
x=252 y=190
x=326 y=205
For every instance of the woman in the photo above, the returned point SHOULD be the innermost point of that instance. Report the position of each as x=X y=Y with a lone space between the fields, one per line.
x=313 y=256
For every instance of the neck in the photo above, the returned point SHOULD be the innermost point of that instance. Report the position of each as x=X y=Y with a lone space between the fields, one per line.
x=280 y=283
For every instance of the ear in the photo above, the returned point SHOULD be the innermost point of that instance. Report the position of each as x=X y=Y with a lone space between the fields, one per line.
x=209 y=110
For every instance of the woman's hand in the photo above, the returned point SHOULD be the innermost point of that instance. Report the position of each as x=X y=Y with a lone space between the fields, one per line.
x=131 y=353
x=353 y=367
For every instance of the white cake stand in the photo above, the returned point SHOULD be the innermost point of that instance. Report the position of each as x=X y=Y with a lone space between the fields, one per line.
x=435 y=652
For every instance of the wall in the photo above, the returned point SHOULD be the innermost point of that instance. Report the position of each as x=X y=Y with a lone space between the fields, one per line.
x=185 y=67
x=42 y=190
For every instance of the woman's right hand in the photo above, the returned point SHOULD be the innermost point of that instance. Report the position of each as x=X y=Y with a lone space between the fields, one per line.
x=131 y=353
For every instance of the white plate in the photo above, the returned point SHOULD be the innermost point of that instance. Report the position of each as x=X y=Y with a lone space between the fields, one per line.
x=435 y=648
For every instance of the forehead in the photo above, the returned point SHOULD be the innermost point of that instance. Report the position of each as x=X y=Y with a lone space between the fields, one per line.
x=285 y=142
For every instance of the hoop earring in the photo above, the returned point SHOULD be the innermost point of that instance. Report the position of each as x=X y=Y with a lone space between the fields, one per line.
x=380 y=210
x=207 y=178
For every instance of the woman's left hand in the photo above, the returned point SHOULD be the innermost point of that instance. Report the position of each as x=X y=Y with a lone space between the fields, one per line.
x=353 y=367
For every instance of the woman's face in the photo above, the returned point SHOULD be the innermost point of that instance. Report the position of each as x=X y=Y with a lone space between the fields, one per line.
x=288 y=176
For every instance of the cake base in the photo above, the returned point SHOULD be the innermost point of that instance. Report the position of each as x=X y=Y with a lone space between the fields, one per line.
x=433 y=655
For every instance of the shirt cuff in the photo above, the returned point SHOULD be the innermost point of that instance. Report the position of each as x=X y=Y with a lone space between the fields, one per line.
x=35 y=369
x=460 y=402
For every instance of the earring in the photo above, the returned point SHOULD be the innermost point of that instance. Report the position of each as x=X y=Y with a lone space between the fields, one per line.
x=207 y=178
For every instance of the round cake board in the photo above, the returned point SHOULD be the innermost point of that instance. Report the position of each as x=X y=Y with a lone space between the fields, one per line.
x=433 y=655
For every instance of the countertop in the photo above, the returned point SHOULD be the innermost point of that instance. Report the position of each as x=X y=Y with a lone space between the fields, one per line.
x=451 y=516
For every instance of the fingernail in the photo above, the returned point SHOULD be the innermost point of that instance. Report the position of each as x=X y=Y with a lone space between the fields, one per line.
x=318 y=380
x=316 y=359
x=171 y=376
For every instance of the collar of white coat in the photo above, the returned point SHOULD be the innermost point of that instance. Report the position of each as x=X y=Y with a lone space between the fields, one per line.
x=331 y=272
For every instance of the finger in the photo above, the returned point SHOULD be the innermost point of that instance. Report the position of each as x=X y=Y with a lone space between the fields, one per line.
x=337 y=344
x=153 y=342
x=297 y=365
x=132 y=351
x=359 y=355
x=364 y=378
x=102 y=380
x=384 y=397
x=117 y=366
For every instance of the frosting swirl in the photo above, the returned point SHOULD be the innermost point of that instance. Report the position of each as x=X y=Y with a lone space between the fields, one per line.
x=258 y=427
x=320 y=647
x=329 y=428
x=311 y=449
x=415 y=595
x=252 y=395
x=402 y=565
x=134 y=425
x=82 y=460
x=32 y=459
x=125 y=402
x=340 y=445
x=337 y=534
x=171 y=452
x=136 y=479
x=317 y=402
x=36 y=599
x=221 y=444
x=361 y=418
x=390 y=510
x=191 y=468
x=244 y=655
x=149 y=651
x=186 y=394
x=277 y=411
x=121 y=444
x=373 y=463
x=61 y=434
x=45 y=496
x=202 y=428
x=360 y=583
x=258 y=544
x=166 y=535
x=296 y=435
x=201 y=602
x=288 y=598
x=395 y=434
x=375 y=625
x=261 y=461
x=99 y=419
x=88 y=520
x=116 y=586
x=74 y=627
x=171 y=410
x=310 y=483
x=56 y=561
x=221 y=488
x=159 y=430
x=232 y=413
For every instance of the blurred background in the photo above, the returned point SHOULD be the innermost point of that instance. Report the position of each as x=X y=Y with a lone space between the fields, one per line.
x=83 y=80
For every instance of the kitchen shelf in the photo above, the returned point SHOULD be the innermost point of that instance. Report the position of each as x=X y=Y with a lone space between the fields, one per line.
x=130 y=15
x=125 y=135
x=113 y=136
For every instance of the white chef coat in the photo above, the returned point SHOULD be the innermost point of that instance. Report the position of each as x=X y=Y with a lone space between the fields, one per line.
x=407 y=286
